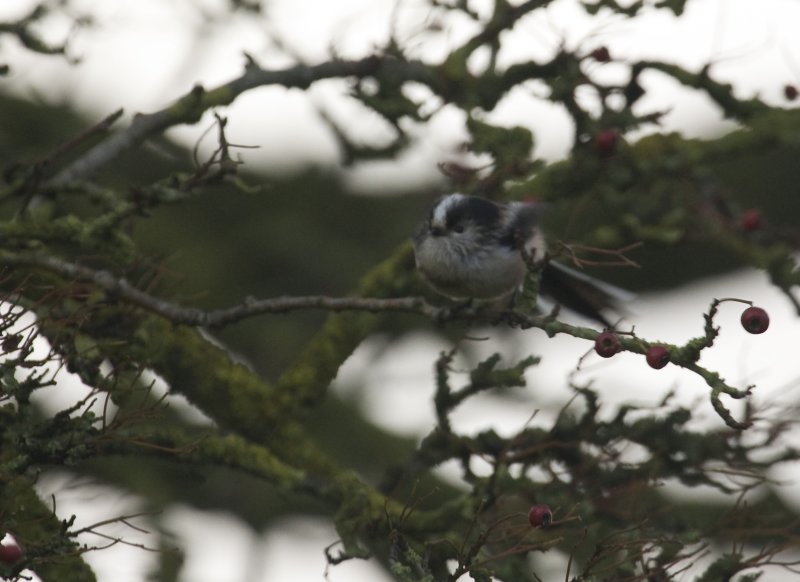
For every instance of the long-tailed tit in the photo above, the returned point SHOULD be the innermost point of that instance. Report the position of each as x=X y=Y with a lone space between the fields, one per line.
x=470 y=247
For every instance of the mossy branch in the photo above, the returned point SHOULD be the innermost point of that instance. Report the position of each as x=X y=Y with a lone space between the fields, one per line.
x=190 y=107
x=304 y=383
x=49 y=551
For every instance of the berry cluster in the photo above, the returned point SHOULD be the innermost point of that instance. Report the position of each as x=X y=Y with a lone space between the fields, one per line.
x=754 y=320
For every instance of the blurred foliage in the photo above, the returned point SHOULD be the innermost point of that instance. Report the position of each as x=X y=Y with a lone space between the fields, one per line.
x=279 y=442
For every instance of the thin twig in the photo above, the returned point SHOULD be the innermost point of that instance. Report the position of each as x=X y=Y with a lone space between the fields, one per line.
x=190 y=107
x=219 y=317
x=193 y=316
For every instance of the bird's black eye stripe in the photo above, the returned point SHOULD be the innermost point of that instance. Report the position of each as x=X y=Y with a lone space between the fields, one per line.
x=481 y=212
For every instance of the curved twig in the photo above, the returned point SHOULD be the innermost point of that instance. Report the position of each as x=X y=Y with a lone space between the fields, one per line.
x=190 y=107
x=250 y=307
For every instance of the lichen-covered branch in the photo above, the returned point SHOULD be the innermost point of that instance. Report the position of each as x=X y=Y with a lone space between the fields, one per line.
x=306 y=380
x=74 y=255
x=190 y=107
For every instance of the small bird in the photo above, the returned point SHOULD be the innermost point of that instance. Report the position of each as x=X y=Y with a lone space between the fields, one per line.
x=471 y=248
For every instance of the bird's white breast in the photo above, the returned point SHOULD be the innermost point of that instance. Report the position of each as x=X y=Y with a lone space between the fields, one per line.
x=483 y=273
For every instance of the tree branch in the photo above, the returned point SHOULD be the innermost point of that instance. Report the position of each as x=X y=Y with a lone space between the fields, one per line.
x=192 y=316
x=120 y=287
x=190 y=107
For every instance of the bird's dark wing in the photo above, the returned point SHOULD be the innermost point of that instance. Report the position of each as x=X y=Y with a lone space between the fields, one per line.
x=581 y=293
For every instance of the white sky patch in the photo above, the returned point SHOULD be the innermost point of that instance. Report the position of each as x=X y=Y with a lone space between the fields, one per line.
x=141 y=57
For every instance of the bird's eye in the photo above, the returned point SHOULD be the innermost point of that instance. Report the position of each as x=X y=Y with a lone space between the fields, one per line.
x=459 y=228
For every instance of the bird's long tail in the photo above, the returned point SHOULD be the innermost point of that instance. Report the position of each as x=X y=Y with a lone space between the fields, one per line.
x=583 y=294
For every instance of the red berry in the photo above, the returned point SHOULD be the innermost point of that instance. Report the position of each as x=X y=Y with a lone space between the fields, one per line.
x=540 y=515
x=751 y=220
x=755 y=320
x=10 y=553
x=657 y=357
x=606 y=344
x=605 y=142
x=601 y=54
x=790 y=92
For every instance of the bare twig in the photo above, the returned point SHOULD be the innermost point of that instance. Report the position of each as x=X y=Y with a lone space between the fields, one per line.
x=220 y=317
x=180 y=314
x=24 y=30
x=616 y=257
x=98 y=128
x=190 y=107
